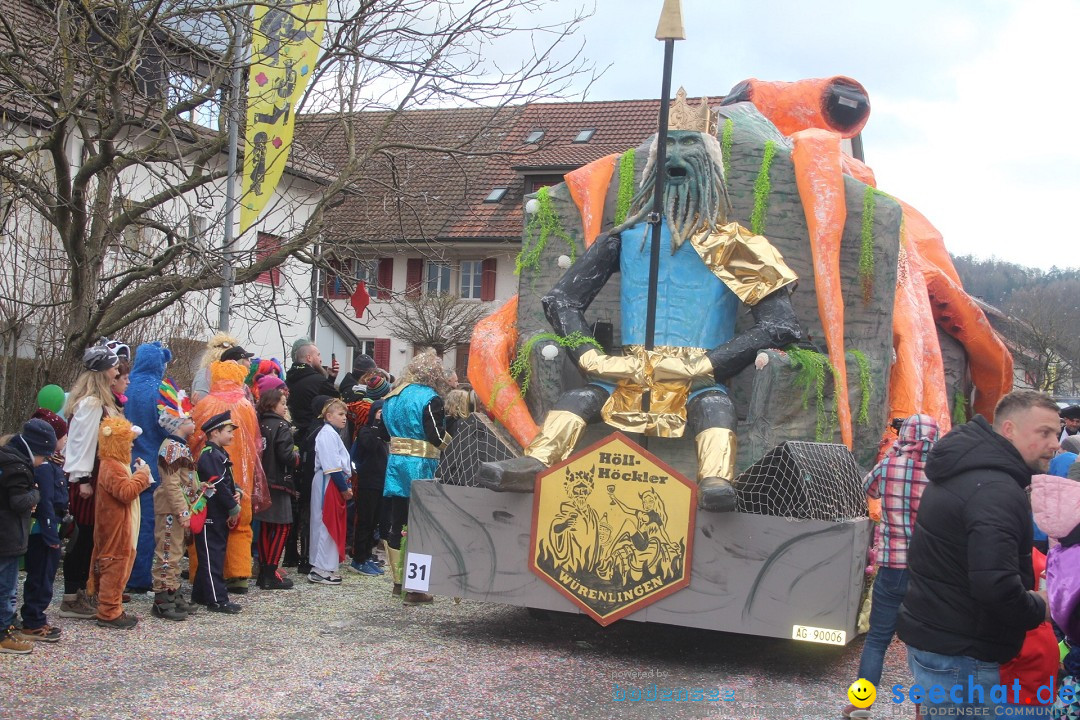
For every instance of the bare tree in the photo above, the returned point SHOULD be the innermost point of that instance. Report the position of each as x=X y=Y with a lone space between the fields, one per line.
x=438 y=321
x=1046 y=330
x=110 y=132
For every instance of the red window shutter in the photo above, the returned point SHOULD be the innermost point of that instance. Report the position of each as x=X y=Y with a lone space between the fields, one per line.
x=487 y=279
x=414 y=277
x=385 y=280
x=382 y=353
x=266 y=244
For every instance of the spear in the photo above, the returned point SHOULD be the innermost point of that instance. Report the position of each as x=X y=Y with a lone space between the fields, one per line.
x=669 y=29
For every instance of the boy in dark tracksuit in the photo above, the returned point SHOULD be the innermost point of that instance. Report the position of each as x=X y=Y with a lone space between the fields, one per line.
x=222 y=514
x=43 y=547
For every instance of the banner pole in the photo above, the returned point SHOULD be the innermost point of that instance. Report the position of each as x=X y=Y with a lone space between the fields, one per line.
x=230 y=182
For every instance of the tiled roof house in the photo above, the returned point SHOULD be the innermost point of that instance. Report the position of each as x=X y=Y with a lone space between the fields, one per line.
x=442 y=197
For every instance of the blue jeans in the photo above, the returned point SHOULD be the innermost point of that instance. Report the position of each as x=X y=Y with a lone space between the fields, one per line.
x=890 y=585
x=9 y=578
x=930 y=669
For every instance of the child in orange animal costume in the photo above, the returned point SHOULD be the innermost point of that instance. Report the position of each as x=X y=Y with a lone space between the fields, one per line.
x=116 y=520
x=227 y=393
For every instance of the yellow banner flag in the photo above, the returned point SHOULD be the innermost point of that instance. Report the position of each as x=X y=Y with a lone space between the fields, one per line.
x=284 y=48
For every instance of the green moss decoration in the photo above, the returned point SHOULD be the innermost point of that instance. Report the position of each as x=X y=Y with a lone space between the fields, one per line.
x=542 y=225
x=521 y=368
x=959 y=409
x=762 y=188
x=810 y=367
x=725 y=145
x=866 y=249
x=626 y=186
x=865 y=387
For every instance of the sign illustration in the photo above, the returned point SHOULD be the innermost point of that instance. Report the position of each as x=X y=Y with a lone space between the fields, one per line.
x=613 y=528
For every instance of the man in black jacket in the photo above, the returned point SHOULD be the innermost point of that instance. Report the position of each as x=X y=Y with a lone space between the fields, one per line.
x=971 y=596
x=306 y=379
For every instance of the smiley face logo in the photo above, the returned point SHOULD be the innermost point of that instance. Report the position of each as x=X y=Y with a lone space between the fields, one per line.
x=862 y=693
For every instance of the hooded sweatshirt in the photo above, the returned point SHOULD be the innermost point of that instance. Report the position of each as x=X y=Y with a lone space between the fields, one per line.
x=970 y=557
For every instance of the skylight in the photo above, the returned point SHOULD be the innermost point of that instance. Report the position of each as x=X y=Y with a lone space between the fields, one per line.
x=585 y=135
x=534 y=137
x=495 y=195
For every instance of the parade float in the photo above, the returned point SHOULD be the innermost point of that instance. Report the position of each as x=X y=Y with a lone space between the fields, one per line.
x=681 y=412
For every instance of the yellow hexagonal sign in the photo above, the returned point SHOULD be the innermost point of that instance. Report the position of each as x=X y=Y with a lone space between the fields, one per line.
x=613 y=528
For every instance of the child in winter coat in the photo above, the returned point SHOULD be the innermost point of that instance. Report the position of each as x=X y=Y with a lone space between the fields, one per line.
x=116 y=513
x=172 y=502
x=279 y=460
x=43 y=550
x=18 y=496
x=1055 y=502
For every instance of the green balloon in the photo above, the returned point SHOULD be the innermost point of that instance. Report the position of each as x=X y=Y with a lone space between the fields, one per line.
x=51 y=397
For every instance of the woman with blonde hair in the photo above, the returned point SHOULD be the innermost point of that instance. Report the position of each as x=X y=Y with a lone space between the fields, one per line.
x=92 y=399
x=458 y=407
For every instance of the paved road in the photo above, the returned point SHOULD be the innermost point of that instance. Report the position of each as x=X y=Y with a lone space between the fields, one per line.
x=353 y=652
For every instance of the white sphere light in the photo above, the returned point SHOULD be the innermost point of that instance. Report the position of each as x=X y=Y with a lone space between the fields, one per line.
x=532 y=206
x=550 y=352
x=564 y=261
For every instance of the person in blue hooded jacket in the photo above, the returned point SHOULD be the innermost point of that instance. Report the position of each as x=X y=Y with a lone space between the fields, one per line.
x=141 y=409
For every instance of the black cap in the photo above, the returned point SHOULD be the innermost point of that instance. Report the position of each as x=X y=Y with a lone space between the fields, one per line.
x=363 y=363
x=218 y=421
x=1071 y=413
x=236 y=353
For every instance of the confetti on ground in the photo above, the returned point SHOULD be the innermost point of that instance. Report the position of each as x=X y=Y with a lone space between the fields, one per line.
x=354 y=651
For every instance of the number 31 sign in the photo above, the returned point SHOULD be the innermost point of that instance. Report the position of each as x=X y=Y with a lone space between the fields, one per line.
x=417 y=572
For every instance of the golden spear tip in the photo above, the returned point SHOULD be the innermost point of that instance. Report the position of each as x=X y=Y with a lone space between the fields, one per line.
x=671 y=26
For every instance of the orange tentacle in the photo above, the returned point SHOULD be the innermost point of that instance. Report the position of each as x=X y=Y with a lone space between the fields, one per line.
x=958 y=315
x=588 y=187
x=491 y=351
x=820 y=180
x=917 y=381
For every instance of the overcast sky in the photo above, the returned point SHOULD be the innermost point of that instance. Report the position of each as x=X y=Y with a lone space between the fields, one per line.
x=973 y=104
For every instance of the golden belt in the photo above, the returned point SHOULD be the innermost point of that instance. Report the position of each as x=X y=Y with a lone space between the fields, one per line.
x=670 y=373
x=413 y=447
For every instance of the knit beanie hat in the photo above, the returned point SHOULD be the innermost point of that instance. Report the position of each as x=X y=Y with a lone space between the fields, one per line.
x=361 y=364
x=377 y=387
x=268 y=382
x=39 y=437
x=58 y=424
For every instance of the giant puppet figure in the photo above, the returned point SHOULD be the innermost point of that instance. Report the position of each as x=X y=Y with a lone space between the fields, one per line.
x=708 y=268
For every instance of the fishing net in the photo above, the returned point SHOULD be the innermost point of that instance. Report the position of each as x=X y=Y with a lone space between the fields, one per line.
x=803 y=480
x=476 y=440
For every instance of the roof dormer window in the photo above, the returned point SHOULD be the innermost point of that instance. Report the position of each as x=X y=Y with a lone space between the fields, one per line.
x=585 y=135
x=496 y=195
x=534 y=137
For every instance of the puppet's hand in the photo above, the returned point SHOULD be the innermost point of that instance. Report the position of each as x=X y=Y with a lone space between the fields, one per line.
x=612 y=367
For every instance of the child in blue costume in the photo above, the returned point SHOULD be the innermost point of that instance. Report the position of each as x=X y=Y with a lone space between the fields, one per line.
x=413 y=423
x=141 y=409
